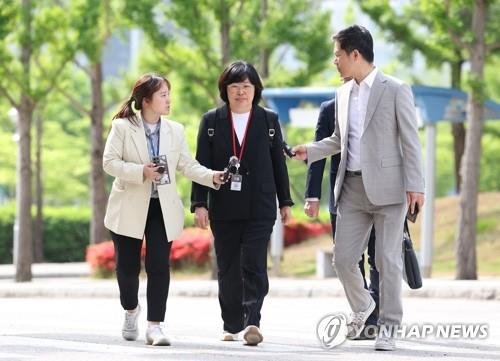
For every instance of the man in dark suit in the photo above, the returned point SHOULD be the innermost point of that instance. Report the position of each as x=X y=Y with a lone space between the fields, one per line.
x=325 y=128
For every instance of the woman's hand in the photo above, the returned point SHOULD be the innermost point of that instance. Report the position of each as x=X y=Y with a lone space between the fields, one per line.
x=201 y=217
x=150 y=172
x=218 y=177
x=286 y=214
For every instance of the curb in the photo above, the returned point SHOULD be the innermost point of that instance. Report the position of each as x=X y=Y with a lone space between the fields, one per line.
x=85 y=287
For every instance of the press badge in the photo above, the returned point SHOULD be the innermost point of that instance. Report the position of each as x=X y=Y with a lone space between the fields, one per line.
x=161 y=163
x=236 y=181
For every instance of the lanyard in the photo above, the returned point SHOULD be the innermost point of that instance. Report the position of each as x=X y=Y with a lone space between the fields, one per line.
x=244 y=141
x=153 y=149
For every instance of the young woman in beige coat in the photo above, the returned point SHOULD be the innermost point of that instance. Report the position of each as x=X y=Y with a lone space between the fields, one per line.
x=143 y=152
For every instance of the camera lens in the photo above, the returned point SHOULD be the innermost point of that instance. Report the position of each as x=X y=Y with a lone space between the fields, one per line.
x=161 y=169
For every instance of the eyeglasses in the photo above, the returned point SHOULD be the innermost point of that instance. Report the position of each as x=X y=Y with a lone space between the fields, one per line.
x=237 y=88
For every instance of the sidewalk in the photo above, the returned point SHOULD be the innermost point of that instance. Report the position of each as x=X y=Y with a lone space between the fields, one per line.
x=72 y=280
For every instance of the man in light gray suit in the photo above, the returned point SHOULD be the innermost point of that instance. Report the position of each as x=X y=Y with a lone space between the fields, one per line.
x=379 y=177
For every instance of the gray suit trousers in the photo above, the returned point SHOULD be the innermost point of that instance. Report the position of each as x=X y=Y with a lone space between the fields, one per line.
x=355 y=217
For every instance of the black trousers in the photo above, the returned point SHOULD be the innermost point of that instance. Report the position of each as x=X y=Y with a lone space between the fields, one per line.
x=373 y=287
x=241 y=252
x=128 y=265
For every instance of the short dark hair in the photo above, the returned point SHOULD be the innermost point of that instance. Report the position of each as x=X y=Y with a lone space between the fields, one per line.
x=237 y=72
x=356 y=37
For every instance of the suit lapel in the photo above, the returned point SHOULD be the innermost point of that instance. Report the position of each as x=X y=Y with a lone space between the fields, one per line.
x=165 y=137
x=376 y=92
x=139 y=139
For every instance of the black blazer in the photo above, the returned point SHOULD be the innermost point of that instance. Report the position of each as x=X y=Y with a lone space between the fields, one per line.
x=324 y=128
x=263 y=168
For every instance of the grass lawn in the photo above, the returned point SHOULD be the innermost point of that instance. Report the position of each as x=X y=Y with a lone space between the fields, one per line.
x=300 y=260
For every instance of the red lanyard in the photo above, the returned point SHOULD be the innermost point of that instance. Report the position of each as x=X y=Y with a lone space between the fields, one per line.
x=244 y=141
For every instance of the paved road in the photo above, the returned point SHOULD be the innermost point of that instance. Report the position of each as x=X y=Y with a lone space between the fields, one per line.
x=89 y=329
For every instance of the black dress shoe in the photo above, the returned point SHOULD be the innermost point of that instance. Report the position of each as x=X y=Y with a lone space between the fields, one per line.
x=369 y=332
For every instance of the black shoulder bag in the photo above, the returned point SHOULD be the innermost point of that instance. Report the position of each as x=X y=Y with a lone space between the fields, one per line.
x=411 y=268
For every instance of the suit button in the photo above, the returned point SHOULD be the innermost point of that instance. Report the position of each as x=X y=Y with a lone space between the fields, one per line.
x=248 y=172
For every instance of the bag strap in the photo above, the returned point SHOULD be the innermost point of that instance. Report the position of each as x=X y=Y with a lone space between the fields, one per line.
x=270 y=128
x=407 y=232
x=211 y=122
x=406 y=229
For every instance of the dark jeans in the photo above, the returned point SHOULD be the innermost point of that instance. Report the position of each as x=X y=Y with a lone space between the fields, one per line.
x=241 y=252
x=128 y=265
x=373 y=288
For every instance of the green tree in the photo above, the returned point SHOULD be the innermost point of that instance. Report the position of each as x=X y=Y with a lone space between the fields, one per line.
x=196 y=40
x=30 y=35
x=94 y=21
x=451 y=32
x=481 y=39
x=425 y=26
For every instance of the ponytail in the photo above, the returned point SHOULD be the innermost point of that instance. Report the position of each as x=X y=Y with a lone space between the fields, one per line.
x=126 y=110
x=144 y=88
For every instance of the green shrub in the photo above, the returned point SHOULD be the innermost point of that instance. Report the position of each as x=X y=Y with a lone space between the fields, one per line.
x=7 y=214
x=66 y=233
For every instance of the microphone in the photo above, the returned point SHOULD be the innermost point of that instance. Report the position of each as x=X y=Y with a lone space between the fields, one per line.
x=288 y=150
x=233 y=162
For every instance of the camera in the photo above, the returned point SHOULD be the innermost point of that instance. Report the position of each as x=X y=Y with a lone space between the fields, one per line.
x=160 y=161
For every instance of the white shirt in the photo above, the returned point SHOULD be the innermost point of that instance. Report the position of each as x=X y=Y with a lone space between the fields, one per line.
x=240 y=121
x=358 y=102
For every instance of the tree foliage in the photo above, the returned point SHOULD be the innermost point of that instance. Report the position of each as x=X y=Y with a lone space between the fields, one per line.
x=261 y=32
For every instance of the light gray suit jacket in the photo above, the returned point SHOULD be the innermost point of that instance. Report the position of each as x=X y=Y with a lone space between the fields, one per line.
x=390 y=146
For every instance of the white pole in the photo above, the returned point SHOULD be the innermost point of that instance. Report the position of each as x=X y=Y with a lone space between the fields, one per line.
x=277 y=245
x=428 y=221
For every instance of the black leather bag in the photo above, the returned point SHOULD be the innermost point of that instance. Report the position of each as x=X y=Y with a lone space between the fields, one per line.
x=411 y=269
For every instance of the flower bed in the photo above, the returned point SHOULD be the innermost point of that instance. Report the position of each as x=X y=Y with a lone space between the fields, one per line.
x=193 y=247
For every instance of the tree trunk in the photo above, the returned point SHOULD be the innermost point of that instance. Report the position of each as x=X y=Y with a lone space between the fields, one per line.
x=225 y=28
x=23 y=247
x=457 y=129
x=264 y=51
x=466 y=237
x=38 y=245
x=98 y=232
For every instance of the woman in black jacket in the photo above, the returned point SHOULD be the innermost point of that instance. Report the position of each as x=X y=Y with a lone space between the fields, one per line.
x=242 y=213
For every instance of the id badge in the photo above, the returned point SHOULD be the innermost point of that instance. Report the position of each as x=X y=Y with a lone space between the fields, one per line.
x=236 y=181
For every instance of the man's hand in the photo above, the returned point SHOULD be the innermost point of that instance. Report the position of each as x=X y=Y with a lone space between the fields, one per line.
x=201 y=217
x=300 y=152
x=286 y=214
x=414 y=198
x=311 y=208
x=218 y=177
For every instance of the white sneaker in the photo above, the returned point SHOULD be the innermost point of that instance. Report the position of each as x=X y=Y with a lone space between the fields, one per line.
x=385 y=342
x=357 y=321
x=155 y=335
x=252 y=336
x=228 y=336
x=130 y=330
